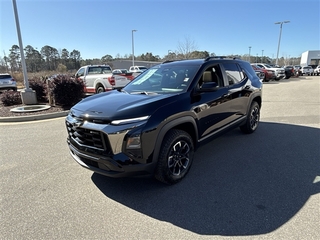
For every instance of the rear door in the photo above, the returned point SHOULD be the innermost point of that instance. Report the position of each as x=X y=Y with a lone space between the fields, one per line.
x=239 y=89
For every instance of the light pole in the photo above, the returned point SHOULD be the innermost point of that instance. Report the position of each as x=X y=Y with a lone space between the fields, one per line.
x=28 y=96
x=133 y=47
x=280 y=37
x=262 y=56
x=249 y=54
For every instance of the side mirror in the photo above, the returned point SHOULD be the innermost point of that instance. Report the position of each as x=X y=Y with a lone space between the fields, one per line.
x=208 y=87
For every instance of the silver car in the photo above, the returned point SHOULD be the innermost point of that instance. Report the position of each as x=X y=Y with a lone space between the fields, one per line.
x=7 y=82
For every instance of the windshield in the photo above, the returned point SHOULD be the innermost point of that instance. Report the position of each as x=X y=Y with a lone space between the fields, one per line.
x=162 y=79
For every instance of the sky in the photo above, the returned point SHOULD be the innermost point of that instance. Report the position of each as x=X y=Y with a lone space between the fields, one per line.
x=96 y=28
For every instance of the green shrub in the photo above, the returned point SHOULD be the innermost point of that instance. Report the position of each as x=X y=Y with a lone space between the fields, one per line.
x=10 y=98
x=66 y=90
x=40 y=87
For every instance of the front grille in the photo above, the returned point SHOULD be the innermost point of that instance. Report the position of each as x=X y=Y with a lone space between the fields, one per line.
x=86 y=137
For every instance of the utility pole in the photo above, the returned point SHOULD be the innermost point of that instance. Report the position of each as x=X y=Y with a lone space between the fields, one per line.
x=28 y=96
x=279 y=38
x=133 y=47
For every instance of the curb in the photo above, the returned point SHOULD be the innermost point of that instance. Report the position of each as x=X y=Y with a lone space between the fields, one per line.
x=34 y=117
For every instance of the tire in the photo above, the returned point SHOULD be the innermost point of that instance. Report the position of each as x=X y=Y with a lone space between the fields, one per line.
x=253 y=118
x=175 y=158
x=100 y=89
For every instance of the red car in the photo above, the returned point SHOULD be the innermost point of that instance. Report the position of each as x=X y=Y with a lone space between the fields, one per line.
x=268 y=74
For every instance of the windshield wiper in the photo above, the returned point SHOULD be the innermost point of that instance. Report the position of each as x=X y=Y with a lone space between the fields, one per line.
x=124 y=91
x=144 y=93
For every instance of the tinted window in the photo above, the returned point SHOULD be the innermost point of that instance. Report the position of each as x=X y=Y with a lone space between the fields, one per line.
x=233 y=72
x=99 y=70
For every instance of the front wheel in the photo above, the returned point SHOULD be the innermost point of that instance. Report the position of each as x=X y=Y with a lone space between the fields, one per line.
x=266 y=79
x=253 y=118
x=175 y=158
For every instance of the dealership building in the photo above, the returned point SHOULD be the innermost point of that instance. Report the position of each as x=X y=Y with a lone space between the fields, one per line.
x=310 y=58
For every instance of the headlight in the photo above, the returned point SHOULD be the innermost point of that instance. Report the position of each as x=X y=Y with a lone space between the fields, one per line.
x=134 y=142
x=129 y=120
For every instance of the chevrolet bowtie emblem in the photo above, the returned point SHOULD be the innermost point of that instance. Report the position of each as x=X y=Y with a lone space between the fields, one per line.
x=77 y=123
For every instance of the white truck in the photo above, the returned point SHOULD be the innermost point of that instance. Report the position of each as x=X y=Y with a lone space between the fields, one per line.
x=99 y=78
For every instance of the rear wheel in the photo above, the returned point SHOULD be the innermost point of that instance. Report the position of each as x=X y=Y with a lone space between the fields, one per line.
x=175 y=157
x=100 y=89
x=253 y=118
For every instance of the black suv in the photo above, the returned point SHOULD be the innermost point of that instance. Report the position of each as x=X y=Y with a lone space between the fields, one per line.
x=155 y=123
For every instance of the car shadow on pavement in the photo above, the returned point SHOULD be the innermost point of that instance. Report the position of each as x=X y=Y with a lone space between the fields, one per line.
x=238 y=184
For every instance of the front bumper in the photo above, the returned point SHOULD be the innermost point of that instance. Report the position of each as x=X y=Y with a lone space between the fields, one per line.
x=98 y=147
x=109 y=166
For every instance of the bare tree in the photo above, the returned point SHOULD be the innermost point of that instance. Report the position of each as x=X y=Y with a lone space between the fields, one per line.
x=185 y=48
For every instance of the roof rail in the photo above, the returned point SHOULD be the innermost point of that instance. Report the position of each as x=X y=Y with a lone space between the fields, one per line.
x=167 y=61
x=220 y=57
x=174 y=60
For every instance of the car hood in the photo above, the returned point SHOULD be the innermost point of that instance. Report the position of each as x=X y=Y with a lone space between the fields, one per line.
x=115 y=105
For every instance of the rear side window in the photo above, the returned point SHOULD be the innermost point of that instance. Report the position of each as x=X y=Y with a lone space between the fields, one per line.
x=234 y=74
x=99 y=70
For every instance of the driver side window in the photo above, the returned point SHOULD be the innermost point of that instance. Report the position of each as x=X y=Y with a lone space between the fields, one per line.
x=212 y=74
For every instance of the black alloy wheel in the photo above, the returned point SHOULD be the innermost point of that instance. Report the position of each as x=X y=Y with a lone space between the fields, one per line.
x=252 y=119
x=175 y=158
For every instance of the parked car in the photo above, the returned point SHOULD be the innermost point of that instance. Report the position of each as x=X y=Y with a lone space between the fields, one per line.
x=7 y=82
x=316 y=71
x=289 y=71
x=279 y=72
x=306 y=70
x=153 y=126
x=137 y=69
x=123 y=72
x=260 y=74
x=268 y=74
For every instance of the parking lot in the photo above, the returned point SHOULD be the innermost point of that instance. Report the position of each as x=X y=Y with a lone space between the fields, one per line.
x=260 y=186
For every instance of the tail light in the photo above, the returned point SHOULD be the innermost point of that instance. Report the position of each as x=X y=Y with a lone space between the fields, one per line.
x=112 y=81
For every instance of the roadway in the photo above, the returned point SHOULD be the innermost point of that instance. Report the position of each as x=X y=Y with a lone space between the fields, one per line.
x=260 y=186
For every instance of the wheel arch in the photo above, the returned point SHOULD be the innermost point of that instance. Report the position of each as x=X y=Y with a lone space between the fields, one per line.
x=187 y=124
x=98 y=82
